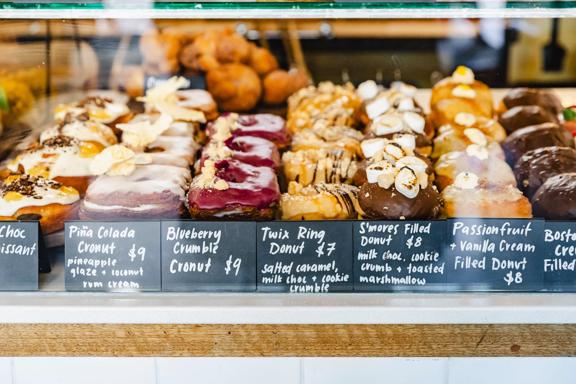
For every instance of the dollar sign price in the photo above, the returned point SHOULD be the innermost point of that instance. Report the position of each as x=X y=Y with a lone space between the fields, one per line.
x=413 y=242
x=512 y=277
x=134 y=252
x=233 y=264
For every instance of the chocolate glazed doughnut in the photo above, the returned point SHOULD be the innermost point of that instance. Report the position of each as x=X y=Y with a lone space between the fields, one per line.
x=537 y=166
x=525 y=116
x=389 y=204
x=531 y=96
x=556 y=198
x=534 y=137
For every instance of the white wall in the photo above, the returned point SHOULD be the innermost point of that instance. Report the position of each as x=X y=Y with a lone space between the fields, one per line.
x=287 y=370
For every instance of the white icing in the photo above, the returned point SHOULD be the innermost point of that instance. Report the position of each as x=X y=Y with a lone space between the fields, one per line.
x=195 y=98
x=145 y=180
x=463 y=75
x=71 y=165
x=49 y=196
x=464 y=91
x=111 y=111
x=466 y=180
x=478 y=151
x=98 y=207
x=83 y=131
x=465 y=119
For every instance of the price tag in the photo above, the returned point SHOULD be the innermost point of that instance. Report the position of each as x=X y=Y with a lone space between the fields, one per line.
x=305 y=257
x=559 y=262
x=494 y=254
x=19 y=256
x=208 y=256
x=112 y=256
x=399 y=255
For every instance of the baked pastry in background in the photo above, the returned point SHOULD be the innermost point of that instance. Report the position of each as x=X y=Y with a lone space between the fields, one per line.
x=25 y=197
x=229 y=189
x=555 y=199
x=534 y=137
x=398 y=191
x=149 y=192
x=262 y=60
x=236 y=87
x=459 y=93
x=531 y=96
x=525 y=116
x=327 y=104
x=160 y=52
x=469 y=196
x=280 y=84
x=538 y=165
x=320 y=202
x=315 y=166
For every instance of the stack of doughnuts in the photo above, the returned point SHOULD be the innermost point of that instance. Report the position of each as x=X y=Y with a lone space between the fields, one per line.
x=237 y=170
x=470 y=165
x=324 y=154
x=395 y=177
x=541 y=150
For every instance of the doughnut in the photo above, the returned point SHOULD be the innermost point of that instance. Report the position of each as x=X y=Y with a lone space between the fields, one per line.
x=399 y=191
x=34 y=197
x=538 y=165
x=525 y=116
x=314 y=166
x=247 y=149
x=328 y=138
x=556 y=198
x=198 y=99
x=469 y=196
x=476 y=160
x=88 y=131
x=490 y=127
x=230 y=189
x=173 y=150
x=530 y=96
x=333 y=105
x=534 y=137
x=460 y=93
x=319 y=202
x=265 y=126
x=150 y=192
x=100 y=109
x=451 y=139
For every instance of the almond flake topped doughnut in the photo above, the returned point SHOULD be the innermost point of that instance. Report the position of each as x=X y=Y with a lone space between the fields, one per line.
x=164 y=98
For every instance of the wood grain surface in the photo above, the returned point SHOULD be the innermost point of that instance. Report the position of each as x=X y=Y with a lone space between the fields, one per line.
x=286 y=340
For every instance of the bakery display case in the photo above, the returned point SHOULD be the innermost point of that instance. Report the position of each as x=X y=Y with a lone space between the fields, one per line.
x=222 y=178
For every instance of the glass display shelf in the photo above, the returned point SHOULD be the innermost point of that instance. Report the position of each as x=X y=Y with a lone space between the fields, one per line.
x=287 y=9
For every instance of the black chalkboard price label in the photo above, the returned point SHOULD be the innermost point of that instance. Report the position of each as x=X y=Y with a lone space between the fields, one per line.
x=112 y=256
x=305 y=257
x=208 y=256
x=19 y=256
x=398 y=255
x=559 y=261
x=494 y=254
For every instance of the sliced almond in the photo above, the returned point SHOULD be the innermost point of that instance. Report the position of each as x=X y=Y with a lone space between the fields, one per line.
x=476 y=136
x=465 y=119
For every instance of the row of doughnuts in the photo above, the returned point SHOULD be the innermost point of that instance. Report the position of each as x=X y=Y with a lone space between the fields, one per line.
x=237 y=170
x=101 y=161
